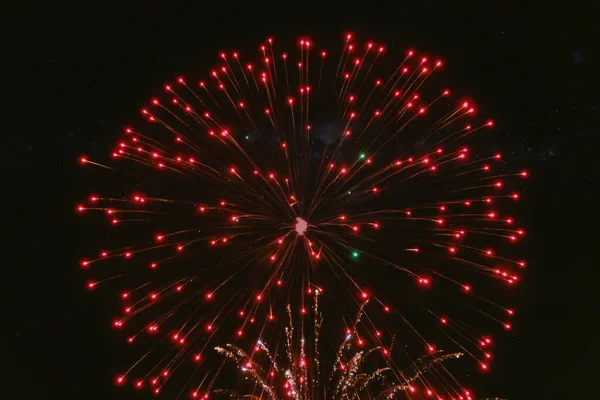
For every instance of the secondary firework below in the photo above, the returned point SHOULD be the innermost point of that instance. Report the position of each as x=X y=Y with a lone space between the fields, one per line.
x=303 y=184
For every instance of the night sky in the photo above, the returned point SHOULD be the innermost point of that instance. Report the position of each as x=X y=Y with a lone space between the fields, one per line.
x=84 y=72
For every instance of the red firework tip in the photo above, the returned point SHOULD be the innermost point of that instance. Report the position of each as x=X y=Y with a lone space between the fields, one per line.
x=83 y=160
x=120 y=380
x=490 y=123
x=524 y=174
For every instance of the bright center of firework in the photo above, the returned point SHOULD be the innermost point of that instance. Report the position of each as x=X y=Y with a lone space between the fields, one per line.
x=301 y=226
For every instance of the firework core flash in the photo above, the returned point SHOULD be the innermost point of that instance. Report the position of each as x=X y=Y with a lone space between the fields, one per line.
x=301 y=226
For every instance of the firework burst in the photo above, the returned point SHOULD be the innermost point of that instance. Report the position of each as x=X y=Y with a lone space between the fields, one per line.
x=289 y=174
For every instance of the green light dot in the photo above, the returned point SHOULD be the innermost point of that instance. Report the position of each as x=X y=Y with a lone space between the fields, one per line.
x=362 y=156
x=247 y=137
x=355 y=254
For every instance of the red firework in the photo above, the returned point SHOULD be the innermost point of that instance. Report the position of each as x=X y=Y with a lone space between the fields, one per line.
x=281 y=175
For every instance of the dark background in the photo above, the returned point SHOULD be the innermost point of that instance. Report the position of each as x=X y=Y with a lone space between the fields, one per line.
x=83 y=72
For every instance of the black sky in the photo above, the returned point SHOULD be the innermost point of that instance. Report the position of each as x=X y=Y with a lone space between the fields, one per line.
x=84 y=71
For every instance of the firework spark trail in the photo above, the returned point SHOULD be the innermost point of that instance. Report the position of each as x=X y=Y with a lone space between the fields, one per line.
x=260 y=200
